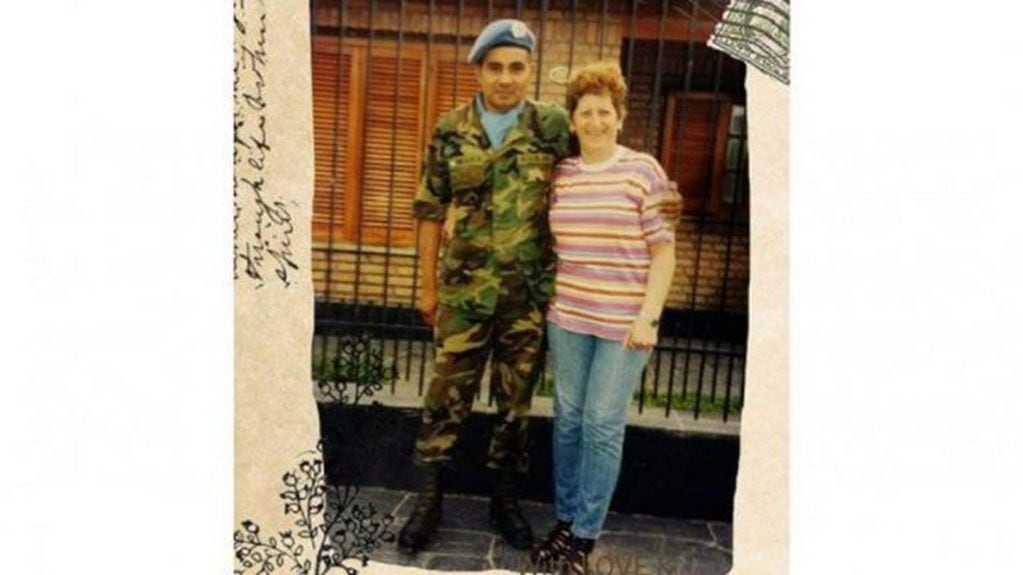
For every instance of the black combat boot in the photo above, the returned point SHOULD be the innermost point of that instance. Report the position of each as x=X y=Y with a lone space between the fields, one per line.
x=426 y=515
x=505 y=513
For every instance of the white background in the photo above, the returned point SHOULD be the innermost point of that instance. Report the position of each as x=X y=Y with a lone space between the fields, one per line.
x=907 y=260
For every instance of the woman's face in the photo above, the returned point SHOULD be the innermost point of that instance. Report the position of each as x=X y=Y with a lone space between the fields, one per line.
x=595 y=121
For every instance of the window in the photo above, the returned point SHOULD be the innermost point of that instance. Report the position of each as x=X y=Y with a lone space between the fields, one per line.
x=703 y=150
x=736 y=182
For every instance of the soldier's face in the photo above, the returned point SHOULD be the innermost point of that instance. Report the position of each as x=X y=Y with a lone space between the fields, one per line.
x=504 y=75
x=595 y=122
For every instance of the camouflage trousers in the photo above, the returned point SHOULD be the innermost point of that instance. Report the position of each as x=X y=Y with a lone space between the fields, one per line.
x=512 y=339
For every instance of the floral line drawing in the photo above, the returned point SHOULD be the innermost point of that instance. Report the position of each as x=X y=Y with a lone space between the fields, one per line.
x=333 y=531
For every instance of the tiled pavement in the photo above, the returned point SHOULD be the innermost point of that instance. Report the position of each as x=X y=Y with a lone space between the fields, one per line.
x=630 y=544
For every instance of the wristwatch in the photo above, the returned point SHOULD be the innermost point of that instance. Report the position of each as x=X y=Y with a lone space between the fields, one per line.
x=654 y=322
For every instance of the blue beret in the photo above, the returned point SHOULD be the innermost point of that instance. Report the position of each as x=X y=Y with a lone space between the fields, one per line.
x=504 y=32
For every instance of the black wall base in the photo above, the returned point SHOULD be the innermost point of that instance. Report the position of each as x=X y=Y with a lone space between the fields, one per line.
x=664 y=473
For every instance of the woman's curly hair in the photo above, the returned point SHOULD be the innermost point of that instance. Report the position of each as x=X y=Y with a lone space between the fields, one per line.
x=597 y=78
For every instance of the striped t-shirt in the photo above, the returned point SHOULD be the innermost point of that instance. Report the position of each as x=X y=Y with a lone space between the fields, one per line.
x=604 y=217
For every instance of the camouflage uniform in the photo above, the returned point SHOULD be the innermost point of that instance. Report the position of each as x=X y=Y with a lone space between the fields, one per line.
x=496 y=272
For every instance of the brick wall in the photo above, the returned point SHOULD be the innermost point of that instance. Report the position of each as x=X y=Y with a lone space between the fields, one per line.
x=722 y=281
x=376 y=267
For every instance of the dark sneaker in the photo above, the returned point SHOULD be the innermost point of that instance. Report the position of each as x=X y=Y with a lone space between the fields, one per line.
x=576 y=559
x=553 y=547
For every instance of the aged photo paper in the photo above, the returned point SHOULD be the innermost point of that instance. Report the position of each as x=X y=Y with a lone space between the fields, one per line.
x=275 y=415
x=276 y=424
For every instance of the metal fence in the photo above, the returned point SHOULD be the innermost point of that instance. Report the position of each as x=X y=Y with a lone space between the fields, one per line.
x=383 y=72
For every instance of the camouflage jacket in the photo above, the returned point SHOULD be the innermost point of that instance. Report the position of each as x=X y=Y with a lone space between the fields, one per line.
x=493 y=203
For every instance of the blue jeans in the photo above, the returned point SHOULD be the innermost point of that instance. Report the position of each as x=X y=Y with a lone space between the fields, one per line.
x=594 y=379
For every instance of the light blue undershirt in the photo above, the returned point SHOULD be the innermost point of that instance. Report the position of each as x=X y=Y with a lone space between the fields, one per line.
x=497 y=124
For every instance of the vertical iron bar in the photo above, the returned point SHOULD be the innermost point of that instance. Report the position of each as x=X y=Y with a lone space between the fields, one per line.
x=518 y=9
x=490 y=11
x=652 y=111
x=571 y=42
x=657 y=368
x=698 y=394
x=718 y=352
x=632 y=42
x=427 y=345
x=428 y=342
x=737 y=180
x=317 y=352
x=338 y=84
x=433 y=355
x=728 y=262
x=312 y=42
x=333 y=162
x=602 y=25
x=691 y=350
x=728 y=389
x=710 y=168
x=703 y=357
x=717 y=356
x=337 y=350
x=700 y=229
x=394 y=359
x=362 y=195
x=642 y=391
x=394 y=150
x=458 y=46
x=655 y=98
x=672 y=366
x=731 y=230
x=742 y=382
x=312 y=24
x=407 y=339
x=539 y=49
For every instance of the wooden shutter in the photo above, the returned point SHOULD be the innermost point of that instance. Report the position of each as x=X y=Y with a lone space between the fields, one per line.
x=392 y=155
x=360 y=181
x=692 y=152
x=332 y=132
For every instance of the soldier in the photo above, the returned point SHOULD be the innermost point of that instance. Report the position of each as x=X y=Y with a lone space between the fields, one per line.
x=484 y=192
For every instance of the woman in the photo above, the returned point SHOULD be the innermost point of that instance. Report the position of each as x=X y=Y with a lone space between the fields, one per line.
x=614 y=239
